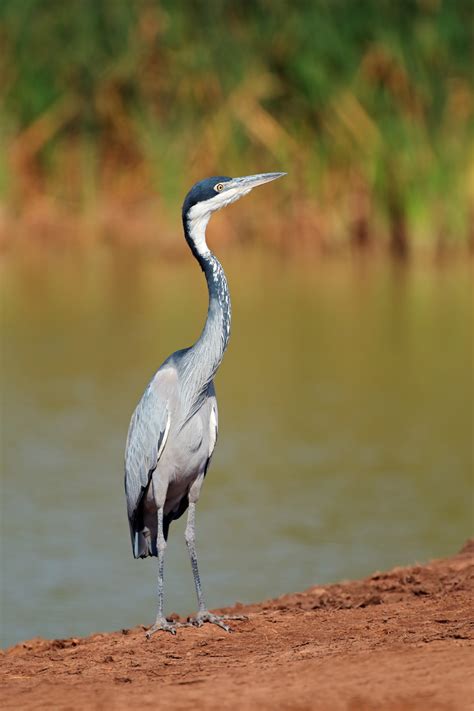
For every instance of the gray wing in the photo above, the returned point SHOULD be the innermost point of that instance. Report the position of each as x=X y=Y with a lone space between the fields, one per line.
x=147 y=436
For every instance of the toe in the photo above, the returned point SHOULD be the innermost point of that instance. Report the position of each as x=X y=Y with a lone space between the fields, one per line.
x=222 y=625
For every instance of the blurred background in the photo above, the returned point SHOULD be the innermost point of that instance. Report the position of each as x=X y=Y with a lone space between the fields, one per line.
x=346 y=395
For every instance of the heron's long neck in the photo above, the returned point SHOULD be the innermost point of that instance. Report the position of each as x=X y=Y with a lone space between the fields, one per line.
x=206 y=355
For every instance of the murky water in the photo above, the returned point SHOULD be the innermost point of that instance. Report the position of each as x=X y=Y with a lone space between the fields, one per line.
x=344 y=445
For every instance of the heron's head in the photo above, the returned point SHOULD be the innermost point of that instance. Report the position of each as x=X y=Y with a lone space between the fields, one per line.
x=210 y=195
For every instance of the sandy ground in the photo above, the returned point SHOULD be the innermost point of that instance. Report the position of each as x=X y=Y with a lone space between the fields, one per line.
x=397 y=640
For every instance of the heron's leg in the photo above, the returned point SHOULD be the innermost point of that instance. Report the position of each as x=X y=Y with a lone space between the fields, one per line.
x=161 y=623
x=190 y=537
x=203 y=614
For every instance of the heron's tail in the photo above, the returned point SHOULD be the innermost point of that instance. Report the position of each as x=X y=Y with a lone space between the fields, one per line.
x=143 y=543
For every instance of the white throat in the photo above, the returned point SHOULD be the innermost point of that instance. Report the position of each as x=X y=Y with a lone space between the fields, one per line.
x=198 y=217
x=200 y=214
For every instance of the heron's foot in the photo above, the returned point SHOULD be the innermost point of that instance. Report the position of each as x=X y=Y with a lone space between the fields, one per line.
x=161 y=624
x=219 y=620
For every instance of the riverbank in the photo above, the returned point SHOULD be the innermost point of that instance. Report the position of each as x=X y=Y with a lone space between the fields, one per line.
x=396 y=640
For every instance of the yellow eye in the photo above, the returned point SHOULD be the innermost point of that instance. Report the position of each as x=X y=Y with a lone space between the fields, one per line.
x=219 y=187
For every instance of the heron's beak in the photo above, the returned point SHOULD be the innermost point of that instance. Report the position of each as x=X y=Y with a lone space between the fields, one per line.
x=248 y=182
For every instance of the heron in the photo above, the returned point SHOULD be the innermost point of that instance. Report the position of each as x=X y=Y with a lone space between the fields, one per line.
x=173 y=430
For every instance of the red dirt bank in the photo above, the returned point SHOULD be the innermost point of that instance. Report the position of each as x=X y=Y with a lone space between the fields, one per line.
x=400 y=640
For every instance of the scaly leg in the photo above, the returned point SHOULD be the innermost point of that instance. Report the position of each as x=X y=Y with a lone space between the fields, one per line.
x=203 y=614
x=161 y=623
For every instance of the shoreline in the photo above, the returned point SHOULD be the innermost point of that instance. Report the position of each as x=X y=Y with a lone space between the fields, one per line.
x=400 y=639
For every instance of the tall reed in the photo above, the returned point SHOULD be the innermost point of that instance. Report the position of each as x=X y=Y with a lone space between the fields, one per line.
x=109 y=105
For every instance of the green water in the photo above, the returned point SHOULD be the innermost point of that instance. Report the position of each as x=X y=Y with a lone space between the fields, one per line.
x=344 y=444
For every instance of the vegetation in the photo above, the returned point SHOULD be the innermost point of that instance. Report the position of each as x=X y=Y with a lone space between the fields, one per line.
x=367 y=105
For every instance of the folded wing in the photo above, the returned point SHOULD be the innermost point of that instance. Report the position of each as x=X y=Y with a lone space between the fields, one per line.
x=147 y=436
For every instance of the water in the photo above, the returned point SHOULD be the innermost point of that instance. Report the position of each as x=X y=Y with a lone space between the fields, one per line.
x=344 y=443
